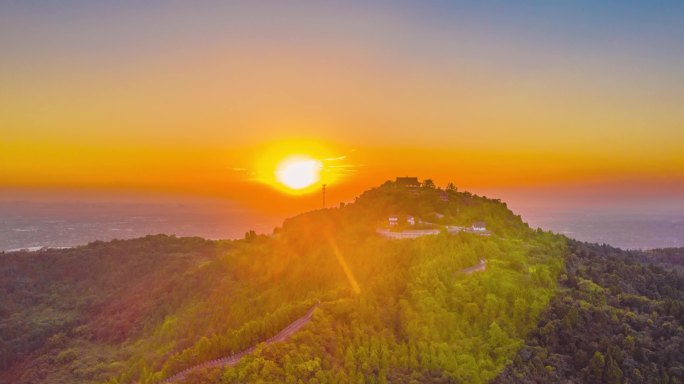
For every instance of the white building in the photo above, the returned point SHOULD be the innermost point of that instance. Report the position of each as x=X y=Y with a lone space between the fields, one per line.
x=479 y=226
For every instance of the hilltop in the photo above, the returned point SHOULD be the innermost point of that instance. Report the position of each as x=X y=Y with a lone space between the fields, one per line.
x=380 y=309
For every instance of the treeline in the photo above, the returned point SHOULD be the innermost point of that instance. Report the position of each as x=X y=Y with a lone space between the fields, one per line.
x=620 y=318
x=671 y=256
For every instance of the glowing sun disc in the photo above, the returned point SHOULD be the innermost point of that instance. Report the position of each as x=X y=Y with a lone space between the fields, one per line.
x=298 y=172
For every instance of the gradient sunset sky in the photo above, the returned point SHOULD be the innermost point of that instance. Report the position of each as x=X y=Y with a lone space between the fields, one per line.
x=164 y=97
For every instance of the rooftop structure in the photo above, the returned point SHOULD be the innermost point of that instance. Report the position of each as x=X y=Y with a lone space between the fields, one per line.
x=408 y=182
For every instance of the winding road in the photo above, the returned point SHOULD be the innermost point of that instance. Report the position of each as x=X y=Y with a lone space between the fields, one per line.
x=481 y=266
x=231 y=360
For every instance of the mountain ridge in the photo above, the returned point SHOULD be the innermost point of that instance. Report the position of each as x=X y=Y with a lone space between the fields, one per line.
x=395 y=311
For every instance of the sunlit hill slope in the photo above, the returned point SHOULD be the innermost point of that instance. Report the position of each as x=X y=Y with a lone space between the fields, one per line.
x=460 y=301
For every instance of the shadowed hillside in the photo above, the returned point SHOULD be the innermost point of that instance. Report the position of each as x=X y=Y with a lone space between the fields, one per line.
x=618 y=317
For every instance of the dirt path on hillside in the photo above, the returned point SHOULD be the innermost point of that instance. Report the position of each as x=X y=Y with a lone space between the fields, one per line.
x=231 y=360
x=481 y=266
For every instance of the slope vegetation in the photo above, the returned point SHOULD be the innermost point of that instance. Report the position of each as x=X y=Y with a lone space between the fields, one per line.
x=391 y=310
x=618 y=318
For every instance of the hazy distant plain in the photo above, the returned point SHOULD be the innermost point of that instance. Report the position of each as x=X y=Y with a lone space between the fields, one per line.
x=38 y=224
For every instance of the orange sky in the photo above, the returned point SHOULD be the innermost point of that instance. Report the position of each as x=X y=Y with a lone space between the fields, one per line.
x=173 y=99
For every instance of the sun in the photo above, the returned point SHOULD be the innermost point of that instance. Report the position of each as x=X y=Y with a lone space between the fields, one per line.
x=298 y=172
x=298 y=166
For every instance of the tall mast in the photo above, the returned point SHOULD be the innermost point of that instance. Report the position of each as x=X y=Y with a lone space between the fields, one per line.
x=323 y=190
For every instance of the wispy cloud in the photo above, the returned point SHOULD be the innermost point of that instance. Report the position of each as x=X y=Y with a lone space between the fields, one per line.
x=338 y=158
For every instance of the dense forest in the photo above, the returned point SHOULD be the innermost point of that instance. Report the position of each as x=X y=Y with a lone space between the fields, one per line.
x=673 y=257
x=390 y=311
x=618 y=317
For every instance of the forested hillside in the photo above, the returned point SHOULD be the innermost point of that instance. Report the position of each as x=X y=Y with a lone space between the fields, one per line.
x=618 y=318
x=390 y=310
x=669 y=256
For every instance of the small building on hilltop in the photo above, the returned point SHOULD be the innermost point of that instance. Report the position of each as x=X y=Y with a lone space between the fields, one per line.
x=408 y=182
x=395 y=220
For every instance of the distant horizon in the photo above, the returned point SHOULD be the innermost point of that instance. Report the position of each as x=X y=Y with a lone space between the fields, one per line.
x=619 y=195
x=628 y=224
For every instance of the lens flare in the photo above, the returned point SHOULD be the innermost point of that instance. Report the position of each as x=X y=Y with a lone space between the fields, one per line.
x=343 y=263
